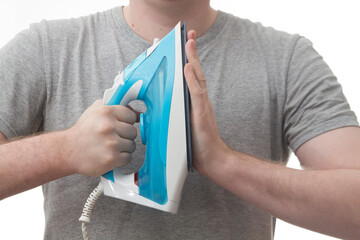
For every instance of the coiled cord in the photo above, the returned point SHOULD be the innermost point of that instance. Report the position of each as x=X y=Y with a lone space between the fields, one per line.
x=89 y=205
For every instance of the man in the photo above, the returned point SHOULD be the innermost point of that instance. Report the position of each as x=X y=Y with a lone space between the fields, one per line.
x=269 y=91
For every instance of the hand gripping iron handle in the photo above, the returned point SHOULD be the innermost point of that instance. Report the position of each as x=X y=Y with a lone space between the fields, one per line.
x=122 y=93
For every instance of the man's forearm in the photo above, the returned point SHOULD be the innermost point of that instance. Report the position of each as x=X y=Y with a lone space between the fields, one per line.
x=325 y=201
x=102 y=139
x=31 y=162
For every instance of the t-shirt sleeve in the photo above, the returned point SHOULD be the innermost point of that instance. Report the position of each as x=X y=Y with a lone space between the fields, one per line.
x=314 y=102
x=22 y=84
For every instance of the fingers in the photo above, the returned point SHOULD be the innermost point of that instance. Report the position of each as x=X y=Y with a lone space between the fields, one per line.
x=126 y=145
x=104 y=137
x=136 y=112
x=122 y=126
x=121 y=113
x=119 y=152
x=194 y=87
x=125 y=148
x=191 y=34
x=124 y=114
x=193 y=58
x=126 y=130
x=123 y=159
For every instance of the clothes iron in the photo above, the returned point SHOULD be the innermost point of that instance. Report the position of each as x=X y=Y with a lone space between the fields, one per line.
x=156 y=77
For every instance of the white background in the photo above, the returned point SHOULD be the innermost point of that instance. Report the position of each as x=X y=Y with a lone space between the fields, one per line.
x=332 y=25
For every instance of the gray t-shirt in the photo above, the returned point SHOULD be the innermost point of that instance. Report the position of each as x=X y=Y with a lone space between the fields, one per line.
x=271 y=91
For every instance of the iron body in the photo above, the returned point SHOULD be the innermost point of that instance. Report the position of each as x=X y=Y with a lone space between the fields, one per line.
x=156 y=77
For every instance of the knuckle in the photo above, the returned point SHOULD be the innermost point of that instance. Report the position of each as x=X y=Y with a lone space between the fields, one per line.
x=105 y=127
x=112 y=143
x=121 y=109
x=109 y=158
x=104 y=111
x=202 y=80
x=202 y=92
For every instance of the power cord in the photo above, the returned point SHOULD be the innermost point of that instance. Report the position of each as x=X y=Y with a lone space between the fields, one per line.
x=89 y=205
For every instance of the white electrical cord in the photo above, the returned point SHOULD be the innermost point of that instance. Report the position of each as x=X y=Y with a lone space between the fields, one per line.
x=89 y=205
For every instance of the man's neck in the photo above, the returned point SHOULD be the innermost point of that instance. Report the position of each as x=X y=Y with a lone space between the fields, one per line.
x=155 y=18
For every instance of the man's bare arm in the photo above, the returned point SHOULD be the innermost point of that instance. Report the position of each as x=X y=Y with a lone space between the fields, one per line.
x=31 y=162
x=322 y=200
x=101 y=140
x=325 y=201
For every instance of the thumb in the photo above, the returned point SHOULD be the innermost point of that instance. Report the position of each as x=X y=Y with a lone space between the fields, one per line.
x=200 y=103
x=196 y=91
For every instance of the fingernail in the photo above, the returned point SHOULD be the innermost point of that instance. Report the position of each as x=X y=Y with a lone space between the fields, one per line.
x=193 y=34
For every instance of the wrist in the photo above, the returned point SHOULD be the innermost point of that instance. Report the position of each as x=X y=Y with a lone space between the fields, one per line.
x=66 y=149
x=218 y=161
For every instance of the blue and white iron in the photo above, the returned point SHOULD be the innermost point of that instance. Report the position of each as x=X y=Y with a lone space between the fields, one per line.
x=156 y=77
